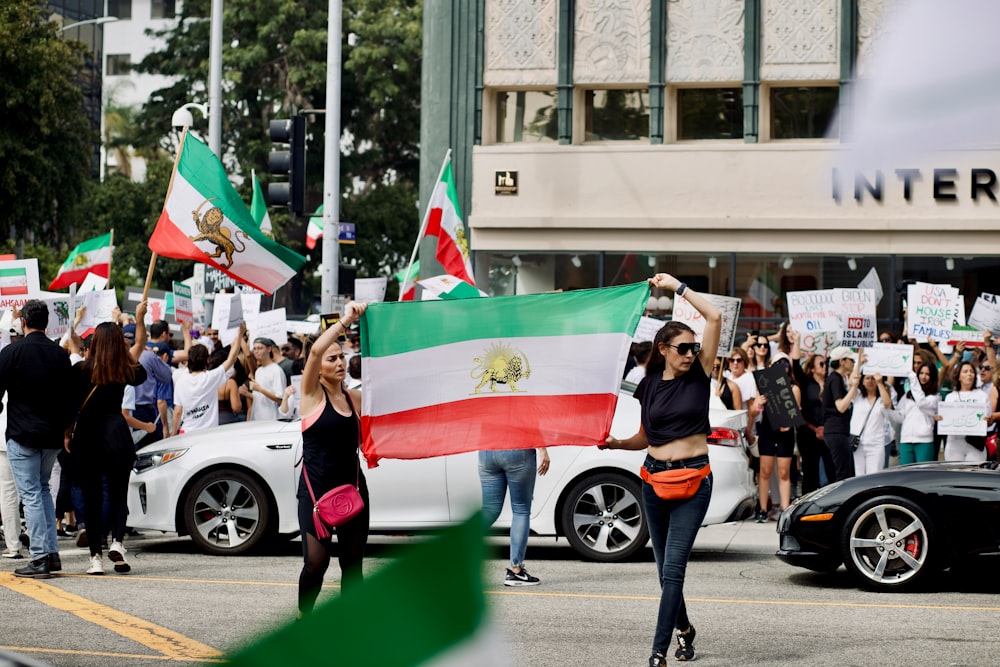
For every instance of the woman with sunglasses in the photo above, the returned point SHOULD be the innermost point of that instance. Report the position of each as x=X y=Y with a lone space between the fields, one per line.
x=760 y=353
x=674 y=399
x=815 y=457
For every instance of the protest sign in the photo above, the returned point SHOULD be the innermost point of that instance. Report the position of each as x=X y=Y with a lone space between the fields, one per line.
x=133 y=295
x=776 y=385
x=930 y=311
x=92 y=282
x=270 y=324
x=873 y=282
x=227 y=316
x=60 y=315
x=251 y=306
x=969 y=336
x=370 y=290
x=19 y=277
x=818 y=342
x=962 y=418
x=985 y=315
x=183 y=303
x=648 y=326
x=889 y=359
x=814 y=311
x=858 y=317
x=727 y=305
x=302 y=327
x=98 y=307
x=991 y=298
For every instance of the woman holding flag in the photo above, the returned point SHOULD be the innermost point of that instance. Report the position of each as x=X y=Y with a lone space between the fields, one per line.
x=331 y=433
x=674 y=399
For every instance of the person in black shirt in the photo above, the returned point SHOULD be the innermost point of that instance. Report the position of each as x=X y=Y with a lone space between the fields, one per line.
x=841 y=387
x=674 y=398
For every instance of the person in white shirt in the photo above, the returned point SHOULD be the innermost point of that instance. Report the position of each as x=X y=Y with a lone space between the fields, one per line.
x=268 y=383
x=872 y=407
x=196 y=393
x=957 y=447
x=642 y=351
x=918 y=407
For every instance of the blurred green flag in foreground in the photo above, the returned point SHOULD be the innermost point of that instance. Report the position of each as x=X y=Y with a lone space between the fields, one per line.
x=426 y=608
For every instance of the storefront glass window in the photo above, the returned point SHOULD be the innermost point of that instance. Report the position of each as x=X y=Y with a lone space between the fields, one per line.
x=526 y=116
x=616 y=115
x=709 y=113
x=803 y=113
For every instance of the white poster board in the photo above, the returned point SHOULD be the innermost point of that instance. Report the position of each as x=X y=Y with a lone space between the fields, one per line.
x=814 y=311
x=873 y=282
x=270 y=324
x=370 y=290
x=930 y=311
x=985 y=315
x=19 y=277
x=92 y=282
x=60 y=315
x=99 y=306
x=729 y=307
x=963 y=418
x=250 y=301
x=889 y=359
x=227 y=316
x=648 y=326
x=183 y=303
x=858 y=317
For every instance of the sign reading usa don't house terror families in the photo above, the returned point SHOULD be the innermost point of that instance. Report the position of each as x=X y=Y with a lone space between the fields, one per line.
x=931 y=311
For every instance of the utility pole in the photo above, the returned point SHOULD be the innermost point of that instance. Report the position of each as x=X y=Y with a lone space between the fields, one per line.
x=331 y=161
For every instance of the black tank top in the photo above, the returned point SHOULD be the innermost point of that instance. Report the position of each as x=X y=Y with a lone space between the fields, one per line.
x=673 y=409
x=330 y=450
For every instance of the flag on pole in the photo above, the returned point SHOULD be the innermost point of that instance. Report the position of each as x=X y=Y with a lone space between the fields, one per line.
x=408 y=284
x=314 y=232
x=505 y=372
x=445 y=222
x=93 y=256
x=205 y=220
x=258 y=208
x=448 y=287
x=432 y=622
x=763 y=294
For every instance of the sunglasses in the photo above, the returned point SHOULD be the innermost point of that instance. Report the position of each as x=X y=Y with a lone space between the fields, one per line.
x=736 y=360
x=822 y=362
x=684 y=348
x=985 y=368
x=760 y=345
x=885 y=340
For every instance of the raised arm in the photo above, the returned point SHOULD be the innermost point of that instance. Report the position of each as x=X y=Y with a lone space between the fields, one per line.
x=140 y=331
x=310 y=373
x=711 y=315
x=234 y=347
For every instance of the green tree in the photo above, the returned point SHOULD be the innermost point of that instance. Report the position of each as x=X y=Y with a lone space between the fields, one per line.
x=45 y=137
x=274 y=65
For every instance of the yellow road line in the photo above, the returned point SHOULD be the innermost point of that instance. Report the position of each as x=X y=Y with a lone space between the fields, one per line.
x=171 y=644
x=105 y=654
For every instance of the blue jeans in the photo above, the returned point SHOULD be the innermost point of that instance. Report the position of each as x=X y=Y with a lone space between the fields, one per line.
x=673 y=525
x=32 y=469
x=513 y=468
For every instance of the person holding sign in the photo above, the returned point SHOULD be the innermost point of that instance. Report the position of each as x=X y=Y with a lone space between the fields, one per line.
x=674 y=398
x=841 y=387
x=872 y=409
x=959 y=447
x=918 y=407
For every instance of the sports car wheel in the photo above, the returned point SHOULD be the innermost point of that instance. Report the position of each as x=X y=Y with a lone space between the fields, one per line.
x=887 y=543
x=227 y=512
x=603 y=518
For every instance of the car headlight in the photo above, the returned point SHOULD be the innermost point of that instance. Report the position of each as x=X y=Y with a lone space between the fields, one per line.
x=150 y=460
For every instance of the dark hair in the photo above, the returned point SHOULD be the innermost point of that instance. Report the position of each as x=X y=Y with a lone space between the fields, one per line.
x=641 y=351
x=957 y=374
x=158 y=328
x=354 y=367
x=296 y=343
x=109 y=361
x=216 y=356
x=932 y=386
x=767 y=348
x=742 y=354
x=893 y=338
x=197 y=358
x=668 y=332
x=35 y=314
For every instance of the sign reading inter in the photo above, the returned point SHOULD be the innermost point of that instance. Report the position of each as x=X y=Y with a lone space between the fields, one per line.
x=505 y=183
x=943 y=184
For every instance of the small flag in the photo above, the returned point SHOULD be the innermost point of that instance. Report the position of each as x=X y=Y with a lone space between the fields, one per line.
x=93 y=256
x=508 y=371
x=408 y=284
x=205 y=220
x=314 y=232
x=448 y=287
x=432 y=622
x=445 y=222
x=258 y=208
x=13 y=281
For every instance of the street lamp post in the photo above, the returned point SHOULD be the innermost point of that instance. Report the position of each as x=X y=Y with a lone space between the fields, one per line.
x=100 y=20
x=331 y=161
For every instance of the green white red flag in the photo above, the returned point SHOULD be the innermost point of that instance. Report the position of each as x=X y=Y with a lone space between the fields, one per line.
x=314 y=231
x=505 y=372
x=448 y=287
x=444 y=221
x=258 y=208
x=205 y=220
x=92 y=256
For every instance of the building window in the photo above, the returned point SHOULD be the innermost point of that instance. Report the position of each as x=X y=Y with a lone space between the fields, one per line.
x=120 y=8
x=709 y=113
x=526 y=115
x=616 y=115
x=162 y=9
x=119 y=64
x=803 y=113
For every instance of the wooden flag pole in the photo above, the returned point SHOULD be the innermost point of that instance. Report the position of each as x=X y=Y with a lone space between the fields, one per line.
x=111 y=256
x=149 y=277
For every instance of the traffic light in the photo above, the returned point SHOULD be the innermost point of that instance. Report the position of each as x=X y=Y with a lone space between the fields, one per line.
x=291 y=162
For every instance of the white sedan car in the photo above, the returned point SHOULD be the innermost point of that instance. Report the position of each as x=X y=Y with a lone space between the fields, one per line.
x=232 y=487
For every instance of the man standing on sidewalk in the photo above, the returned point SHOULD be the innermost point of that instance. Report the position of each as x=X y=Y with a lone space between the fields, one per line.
x=33 y=372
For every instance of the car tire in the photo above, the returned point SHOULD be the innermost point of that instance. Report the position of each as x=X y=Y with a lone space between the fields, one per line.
x=889 y=544
x=227 y=512
x=603 y=517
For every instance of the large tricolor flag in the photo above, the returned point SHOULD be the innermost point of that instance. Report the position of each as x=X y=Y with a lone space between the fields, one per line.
x=258 y=208
x=205 y=220
x=445 y=222
x=93 y=256
x=762 y=297
x=431 y=622
x=507 y=372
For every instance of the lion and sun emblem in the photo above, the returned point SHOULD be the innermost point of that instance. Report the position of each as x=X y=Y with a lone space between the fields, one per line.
x=501 y=363
x=210 y=229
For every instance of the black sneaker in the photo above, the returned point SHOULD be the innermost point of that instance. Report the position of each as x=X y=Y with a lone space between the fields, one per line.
x=685 y=645
x=657 y=660
x=55 y=563
x=24 y=540
x=37 y=569
x=521 y=578
x=761 y=516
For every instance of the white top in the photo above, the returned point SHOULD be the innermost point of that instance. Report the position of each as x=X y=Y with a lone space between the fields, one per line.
x=747 y=385
x=271 y=378
x=198 y=396
x=634 y=376
x=918 y=413
x=875 y=434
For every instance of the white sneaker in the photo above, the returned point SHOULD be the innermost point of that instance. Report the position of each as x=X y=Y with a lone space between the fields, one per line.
x=116 y=554
x=96 y=565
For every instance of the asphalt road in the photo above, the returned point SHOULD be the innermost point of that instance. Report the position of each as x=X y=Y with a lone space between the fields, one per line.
x=182 y=607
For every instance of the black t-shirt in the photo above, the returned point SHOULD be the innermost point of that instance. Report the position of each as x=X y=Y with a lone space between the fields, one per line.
x=835 y=421
x=673 y=409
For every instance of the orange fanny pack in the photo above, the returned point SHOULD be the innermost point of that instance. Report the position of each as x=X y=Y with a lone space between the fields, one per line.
x=677 y=484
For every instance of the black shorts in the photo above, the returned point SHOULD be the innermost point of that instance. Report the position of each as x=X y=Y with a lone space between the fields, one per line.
x=780 y=446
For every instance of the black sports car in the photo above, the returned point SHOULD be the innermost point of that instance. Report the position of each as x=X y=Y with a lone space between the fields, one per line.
x=893 y=528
